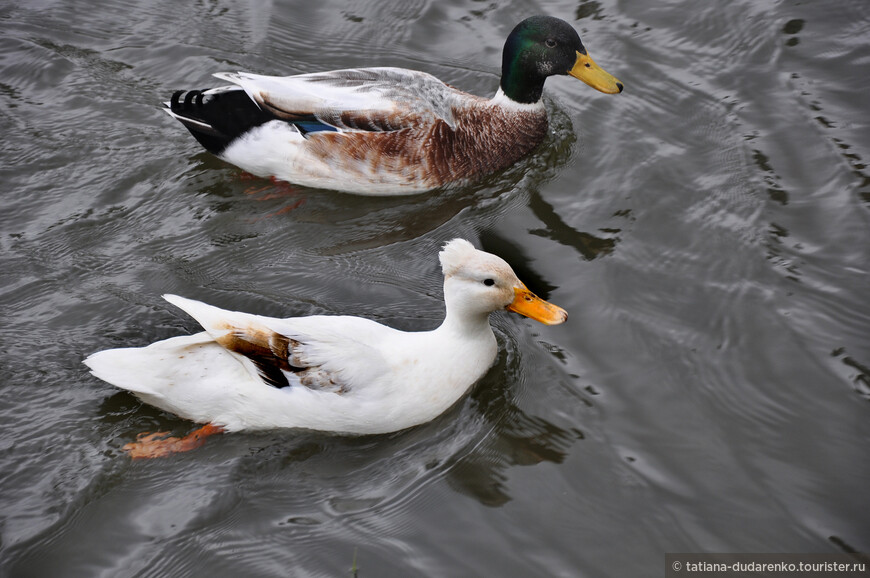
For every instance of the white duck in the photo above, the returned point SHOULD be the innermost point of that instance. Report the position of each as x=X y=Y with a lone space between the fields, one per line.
x=331 y=373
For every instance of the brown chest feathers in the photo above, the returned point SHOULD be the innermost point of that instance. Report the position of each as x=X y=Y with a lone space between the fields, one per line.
x=484 y=138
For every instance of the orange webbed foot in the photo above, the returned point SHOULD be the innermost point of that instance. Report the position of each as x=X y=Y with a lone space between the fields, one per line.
x=277 y=190
x=160 y=444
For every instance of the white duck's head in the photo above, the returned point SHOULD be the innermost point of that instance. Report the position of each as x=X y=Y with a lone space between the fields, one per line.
x=476 y=283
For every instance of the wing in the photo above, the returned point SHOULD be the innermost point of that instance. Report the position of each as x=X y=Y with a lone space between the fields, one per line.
x=364 y=99
x=328 y=353
x=341 y=349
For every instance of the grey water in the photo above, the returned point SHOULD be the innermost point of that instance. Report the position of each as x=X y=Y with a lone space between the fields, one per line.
x=708 y=231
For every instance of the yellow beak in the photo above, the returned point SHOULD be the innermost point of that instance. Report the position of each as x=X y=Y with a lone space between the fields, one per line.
x=527 y=303
x=586 y=70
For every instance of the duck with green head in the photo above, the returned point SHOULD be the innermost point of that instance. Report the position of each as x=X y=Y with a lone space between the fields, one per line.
x=388 y=131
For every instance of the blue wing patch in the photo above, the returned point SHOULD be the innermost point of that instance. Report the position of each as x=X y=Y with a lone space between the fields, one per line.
x=307 y=126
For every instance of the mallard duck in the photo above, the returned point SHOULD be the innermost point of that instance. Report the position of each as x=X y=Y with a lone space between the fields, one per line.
x=341 y=374
x=387 y=131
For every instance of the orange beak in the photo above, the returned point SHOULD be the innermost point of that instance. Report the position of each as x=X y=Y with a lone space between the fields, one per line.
x=527 y=303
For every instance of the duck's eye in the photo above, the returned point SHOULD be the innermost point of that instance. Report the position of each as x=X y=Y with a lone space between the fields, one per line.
x=550 y=43
x=488 y=282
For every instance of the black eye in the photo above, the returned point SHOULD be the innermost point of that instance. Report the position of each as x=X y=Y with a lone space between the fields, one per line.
x=550 y=43
x=488 y=282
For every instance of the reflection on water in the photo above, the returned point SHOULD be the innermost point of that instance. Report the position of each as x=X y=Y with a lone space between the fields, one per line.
x=589 y=246
x=707 y=231
x=516 y=440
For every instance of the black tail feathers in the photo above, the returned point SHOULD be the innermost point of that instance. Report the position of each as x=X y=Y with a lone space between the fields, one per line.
x=191 y=98
x=217 y=118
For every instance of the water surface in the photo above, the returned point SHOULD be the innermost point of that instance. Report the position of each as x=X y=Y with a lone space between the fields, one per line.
x=708 y=231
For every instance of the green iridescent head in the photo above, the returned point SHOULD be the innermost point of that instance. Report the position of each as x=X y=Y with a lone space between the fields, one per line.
x=543 y=46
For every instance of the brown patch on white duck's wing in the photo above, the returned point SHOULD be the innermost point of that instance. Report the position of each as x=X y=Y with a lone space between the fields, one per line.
x=268 y=350
x=273 y=354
